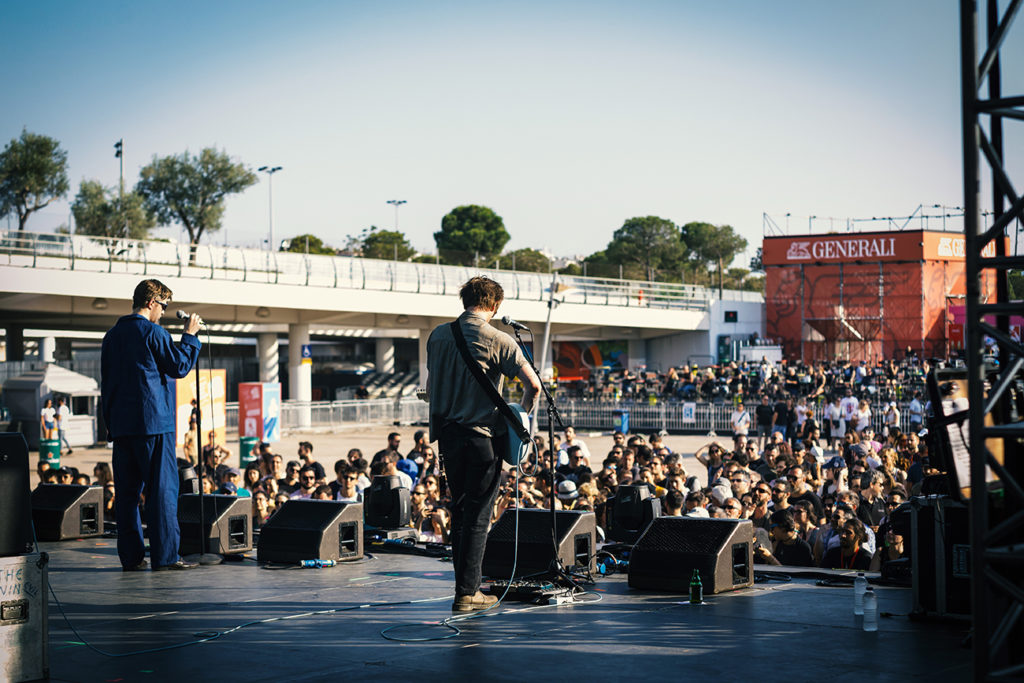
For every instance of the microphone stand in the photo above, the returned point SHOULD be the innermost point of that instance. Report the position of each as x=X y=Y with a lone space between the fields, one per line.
x=202 y=557
x=556 y=568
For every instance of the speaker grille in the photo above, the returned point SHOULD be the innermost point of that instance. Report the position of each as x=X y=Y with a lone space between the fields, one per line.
x=671 y=536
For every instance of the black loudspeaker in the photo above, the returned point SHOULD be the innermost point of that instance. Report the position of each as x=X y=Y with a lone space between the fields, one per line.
x=15 y=496
x=312 y=530
x=630 y=512
x=577 y=542
x=188 y=481
x=63 y=511
x=227 y=522
x=388 y=503
x=940 y=552
x=722 y=550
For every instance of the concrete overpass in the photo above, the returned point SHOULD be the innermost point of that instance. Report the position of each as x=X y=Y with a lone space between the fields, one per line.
x=74 y=282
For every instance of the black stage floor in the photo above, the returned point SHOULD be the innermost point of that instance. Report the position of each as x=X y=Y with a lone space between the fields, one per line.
x=794 y=631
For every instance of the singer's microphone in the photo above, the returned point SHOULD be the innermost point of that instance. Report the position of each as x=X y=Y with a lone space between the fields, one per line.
x=185 y=316
x=514 y=324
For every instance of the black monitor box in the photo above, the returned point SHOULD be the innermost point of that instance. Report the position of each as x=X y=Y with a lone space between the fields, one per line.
x=388 y=503
x=630 y=512
x=227 y=524
x=312 y=530
x=65 y=511
x=721 y=550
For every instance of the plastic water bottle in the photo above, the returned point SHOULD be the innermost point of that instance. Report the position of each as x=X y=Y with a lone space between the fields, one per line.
x=860 y=584
x=870 y=610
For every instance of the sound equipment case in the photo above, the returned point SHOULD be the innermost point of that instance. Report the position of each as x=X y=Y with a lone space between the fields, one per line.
x=24 y=655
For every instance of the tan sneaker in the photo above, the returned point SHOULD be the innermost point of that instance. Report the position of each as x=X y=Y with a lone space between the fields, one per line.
x=473 y=603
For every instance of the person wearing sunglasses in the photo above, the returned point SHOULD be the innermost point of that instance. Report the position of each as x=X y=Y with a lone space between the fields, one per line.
x=307 y=483
x=343 y=488
x=138 y=365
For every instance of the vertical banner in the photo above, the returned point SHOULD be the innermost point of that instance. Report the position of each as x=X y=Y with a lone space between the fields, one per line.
x=689 y=412
x=214 y=415
x=259 y=410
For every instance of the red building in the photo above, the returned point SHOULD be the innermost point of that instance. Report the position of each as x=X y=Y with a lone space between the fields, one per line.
x=865 y=296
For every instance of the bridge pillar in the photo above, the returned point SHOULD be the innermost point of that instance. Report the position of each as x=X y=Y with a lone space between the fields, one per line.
x=385 y=355
x=637 y=350
x=47 y=345
x=300 y=375
x=15 y=343
x=268 y=352
x=424 y=335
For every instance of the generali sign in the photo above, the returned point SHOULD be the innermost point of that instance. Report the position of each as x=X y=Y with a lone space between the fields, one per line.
x=901 y=246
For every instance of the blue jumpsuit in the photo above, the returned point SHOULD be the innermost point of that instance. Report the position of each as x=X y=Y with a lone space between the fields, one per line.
x=139 y=364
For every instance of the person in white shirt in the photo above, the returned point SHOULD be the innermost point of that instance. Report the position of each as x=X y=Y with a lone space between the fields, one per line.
x=848 y=407
x=891 y=419
x=863 y=416
x=834 y=423
x=571 y=440
x=63 y=422
x=740 y=421
x=916 y=413
x=47 y=420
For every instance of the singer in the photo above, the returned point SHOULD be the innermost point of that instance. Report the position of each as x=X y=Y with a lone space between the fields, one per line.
x=138 y=365
x=470 y=431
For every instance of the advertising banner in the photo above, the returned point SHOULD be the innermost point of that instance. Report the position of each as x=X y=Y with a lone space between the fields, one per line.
x=212 y=385
x=259 y=410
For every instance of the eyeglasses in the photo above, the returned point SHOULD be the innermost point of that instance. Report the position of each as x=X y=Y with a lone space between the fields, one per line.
x=163 y=304
x=309 y=478
x=733 y=507
x=419 y=493
x=778 y=490
x=352 y=477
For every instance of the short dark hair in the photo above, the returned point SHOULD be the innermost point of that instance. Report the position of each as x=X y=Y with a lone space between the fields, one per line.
x=340 y=465
x=674 y=498
x=307 y=445
x=418 y=435
x=481 y=291
x=307 y=468
x=392 y=435
x=784 y=519
x=149 y=290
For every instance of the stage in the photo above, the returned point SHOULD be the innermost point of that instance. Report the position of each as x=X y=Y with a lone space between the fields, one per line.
x=776 y=631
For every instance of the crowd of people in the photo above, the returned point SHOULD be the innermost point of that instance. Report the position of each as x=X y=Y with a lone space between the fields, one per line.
x=880 y=381
x=810 y=504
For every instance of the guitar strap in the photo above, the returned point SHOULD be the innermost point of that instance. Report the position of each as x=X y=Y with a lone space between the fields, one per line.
x=513 y=420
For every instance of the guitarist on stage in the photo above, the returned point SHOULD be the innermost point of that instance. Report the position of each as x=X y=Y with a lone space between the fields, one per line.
x=469 y=429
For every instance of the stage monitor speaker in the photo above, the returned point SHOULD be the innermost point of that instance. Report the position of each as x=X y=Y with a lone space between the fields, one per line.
x=630 y=512
x=227 y=524
x=576 y=534
x=722 y=550
x=64 y=511
x=940 y=551
x=15 y=496
x=312 y=530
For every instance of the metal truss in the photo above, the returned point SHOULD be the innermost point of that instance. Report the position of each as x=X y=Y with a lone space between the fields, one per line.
x=997 y=507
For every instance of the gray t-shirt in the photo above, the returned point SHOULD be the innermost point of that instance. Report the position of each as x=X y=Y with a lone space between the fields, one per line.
x=455 y=395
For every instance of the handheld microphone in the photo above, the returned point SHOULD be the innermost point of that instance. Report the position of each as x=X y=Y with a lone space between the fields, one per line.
x=185 y=316
x=514 y=324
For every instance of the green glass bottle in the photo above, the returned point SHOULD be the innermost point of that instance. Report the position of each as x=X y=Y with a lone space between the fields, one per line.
x=696 y=589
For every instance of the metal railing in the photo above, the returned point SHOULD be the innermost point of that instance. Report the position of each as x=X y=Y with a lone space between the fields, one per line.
x=338 y=414
x=643 y=417
x=207 y=261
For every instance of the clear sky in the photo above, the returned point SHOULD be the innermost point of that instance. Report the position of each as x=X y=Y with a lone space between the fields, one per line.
x=566 y=118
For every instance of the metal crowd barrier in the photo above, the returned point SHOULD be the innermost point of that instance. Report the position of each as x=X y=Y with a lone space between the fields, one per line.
x=333 y=414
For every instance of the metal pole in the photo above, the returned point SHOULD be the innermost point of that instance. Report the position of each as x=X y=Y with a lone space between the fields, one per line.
x=270 y=171
x=547 y=333
x=975 y=369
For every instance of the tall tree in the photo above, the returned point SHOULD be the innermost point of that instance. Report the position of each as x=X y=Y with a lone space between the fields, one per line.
x=33 y=173
x=308 y=244
x=713 y=244
x=384 y=244
x=757 y=261
x=651 y=242
x=190 y=190
x=103 y=212
x=471 y=234
x=529 y=260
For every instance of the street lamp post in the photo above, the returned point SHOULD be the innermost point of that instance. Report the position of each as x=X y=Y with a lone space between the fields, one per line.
x=396 y=203
x=270 y=171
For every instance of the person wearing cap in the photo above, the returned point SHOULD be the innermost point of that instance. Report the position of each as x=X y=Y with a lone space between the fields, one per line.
x=228 y=489
x=139 y=363
x=233 y=476
x=470 y=430
x=567 y=494
x=835 y=477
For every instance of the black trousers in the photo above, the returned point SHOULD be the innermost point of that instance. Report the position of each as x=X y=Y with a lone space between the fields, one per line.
x=472 y=464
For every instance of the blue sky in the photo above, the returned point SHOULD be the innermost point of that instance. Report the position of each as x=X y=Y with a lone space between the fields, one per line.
x=566 y=118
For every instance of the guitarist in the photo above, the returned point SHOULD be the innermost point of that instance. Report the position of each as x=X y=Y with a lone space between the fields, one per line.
x=469 y=429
